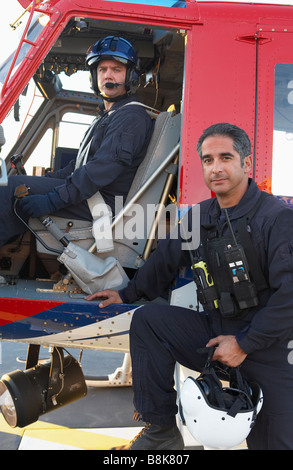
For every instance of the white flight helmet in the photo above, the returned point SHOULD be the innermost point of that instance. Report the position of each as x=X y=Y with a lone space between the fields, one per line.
x=219 y=417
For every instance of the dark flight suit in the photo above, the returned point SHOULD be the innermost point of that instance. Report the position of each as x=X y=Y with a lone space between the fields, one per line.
x=160 y=335
x=119 y=144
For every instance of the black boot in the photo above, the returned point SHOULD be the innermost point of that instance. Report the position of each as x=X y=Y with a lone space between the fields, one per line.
x=155 y=437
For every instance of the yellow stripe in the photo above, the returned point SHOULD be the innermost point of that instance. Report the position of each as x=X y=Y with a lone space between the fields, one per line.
x=7 y=429
x=76 y=438
x=62 y=435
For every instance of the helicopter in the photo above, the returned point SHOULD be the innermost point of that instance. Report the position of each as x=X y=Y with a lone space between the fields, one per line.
x=201 y=62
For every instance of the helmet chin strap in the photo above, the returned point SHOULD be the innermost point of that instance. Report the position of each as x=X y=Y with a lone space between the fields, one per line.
x=114 y=99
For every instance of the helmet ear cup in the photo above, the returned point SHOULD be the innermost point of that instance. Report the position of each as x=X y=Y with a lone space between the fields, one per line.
x=132 y=80
x=94 y=81
x=204 y=386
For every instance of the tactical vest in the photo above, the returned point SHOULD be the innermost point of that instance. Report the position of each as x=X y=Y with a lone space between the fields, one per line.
x=233 y=274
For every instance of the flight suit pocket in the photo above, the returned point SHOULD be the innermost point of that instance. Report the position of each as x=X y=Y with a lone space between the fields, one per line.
x=125 y=149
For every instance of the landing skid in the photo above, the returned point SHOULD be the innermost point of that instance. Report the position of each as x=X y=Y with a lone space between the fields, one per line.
x=121 y=377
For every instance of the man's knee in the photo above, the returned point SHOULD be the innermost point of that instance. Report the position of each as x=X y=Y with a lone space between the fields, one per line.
x=152 y=318
x=140 y=315
x=148 y=316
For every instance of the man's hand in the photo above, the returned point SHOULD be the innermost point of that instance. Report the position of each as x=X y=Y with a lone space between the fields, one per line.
x=227 y=351
x=35 y=205
x=40 y=204
x=112 y=297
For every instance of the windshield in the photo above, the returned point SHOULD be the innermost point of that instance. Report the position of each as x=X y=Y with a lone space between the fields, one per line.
x=36 y=27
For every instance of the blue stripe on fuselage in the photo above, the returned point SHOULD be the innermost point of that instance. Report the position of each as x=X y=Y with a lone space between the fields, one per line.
x=64 y=317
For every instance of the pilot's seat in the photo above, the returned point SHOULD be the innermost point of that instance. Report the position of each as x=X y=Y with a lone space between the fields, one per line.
x=150 y=187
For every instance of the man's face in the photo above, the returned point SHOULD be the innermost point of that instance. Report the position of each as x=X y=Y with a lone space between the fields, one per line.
x=222 y=169
x=111 y=71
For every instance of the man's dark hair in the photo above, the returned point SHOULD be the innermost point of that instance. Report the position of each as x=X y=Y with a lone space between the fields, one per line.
x=241 y=142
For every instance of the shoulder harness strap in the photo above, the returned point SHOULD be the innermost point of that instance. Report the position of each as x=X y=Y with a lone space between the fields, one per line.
x=245 y=238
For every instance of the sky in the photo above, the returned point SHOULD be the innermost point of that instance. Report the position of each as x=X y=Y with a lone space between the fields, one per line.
x=8 y=37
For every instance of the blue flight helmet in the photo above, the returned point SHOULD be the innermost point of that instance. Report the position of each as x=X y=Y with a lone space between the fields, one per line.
x=114 y=48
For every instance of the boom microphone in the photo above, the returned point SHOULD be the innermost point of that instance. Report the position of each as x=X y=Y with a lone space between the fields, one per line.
x=111 y=85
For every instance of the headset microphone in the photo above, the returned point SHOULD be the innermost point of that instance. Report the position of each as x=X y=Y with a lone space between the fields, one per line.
x=111 y=85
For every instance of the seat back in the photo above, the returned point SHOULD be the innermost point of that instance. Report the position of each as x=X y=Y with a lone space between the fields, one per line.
x=136 y=224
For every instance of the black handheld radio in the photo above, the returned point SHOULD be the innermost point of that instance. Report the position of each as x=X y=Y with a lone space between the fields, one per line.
x=244 y=289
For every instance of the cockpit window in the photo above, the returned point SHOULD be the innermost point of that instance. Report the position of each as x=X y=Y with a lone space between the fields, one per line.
x=37 y=25
x=283 y=131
